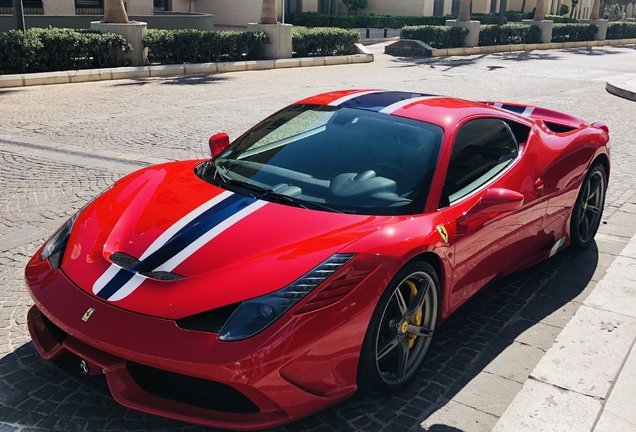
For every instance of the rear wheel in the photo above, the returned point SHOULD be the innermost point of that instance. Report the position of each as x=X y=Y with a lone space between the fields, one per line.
x=400 y=330
x=588 y=209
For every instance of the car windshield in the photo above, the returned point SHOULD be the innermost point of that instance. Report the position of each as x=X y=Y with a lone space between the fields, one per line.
x=333 y=159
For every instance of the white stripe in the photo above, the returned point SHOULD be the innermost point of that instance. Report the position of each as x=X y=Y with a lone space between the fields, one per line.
x=105 y=278
x=205 y=238
x=498 y=105
x=161 y=240
x=128 y=288
x=353 y=96
x=401 y=104
x=527 y=112
x=170 y=232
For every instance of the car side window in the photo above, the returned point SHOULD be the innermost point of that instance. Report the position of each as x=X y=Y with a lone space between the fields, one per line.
x=482 y=149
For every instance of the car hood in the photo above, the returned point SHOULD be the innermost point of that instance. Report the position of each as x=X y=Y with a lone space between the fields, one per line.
x=165 y=243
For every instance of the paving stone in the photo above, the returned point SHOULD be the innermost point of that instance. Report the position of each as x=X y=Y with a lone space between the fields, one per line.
x=613 y=423
x=515 y=362
x=460 y=417
x=488 y=393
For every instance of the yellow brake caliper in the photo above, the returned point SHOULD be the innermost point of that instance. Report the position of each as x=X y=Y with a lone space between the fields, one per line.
x=417 y=318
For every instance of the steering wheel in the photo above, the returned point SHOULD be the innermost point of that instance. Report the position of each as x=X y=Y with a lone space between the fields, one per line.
x=390 y=171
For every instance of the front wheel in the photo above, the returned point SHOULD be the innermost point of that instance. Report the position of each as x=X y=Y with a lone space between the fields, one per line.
x=588 y=209
x=400 y=330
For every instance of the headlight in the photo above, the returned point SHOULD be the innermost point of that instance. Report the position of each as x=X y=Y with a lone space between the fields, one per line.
x=54 y=247
x=57 y=242
x=254 y=315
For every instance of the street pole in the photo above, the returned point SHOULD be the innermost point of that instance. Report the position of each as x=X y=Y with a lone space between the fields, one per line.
x=502 y=11
x=18 y=15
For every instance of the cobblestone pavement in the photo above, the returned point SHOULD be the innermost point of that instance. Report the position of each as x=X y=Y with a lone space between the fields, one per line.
x=60 y=145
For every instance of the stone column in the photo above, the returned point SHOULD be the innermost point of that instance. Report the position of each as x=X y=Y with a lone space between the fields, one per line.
x=280 y=39
x=472 y=38
x=134 y=32
x=601 y=25
x=546 y=28
x=59 y=7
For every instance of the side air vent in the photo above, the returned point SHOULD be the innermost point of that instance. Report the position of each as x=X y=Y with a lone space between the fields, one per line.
x=210 y=321
x=129 y=262
x=124 y=260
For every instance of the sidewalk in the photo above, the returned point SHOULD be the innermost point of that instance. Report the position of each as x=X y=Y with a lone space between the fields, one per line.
x=587 y=380
x=623 y=86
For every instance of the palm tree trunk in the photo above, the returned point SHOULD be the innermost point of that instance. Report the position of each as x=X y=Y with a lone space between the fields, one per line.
x=464 y=10
x=523 y=6
x=539 y=12
x=268 y=12
x=595 y=7
x=114 y=12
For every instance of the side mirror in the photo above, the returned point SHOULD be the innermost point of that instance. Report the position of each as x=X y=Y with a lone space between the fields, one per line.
x=498 y=201
x=218 y=143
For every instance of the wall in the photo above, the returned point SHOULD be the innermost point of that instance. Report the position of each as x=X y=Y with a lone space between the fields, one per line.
x=392 y=7
x=233 y=13
x=169 y=22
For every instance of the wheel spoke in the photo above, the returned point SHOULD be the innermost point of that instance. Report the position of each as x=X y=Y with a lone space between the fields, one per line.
x=399 y=298
x=593 y=188
x=418 y=301
x=593 y=209
x=585 y=227
x=419 y=331
x=403 y=358
x=387 y=348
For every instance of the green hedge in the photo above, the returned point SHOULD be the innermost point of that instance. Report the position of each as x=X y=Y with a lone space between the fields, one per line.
x=573 y=32
x=323 y=41
x=436 y=36
x=558 y=19
x=57 y=49
x=196 y=46
x=509 y=34
x=621 y=30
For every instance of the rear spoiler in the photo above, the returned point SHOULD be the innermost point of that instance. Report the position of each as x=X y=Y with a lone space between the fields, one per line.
x=561 y=122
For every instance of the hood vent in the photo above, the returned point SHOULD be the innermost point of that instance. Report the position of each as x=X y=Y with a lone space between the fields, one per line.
x=129 y=262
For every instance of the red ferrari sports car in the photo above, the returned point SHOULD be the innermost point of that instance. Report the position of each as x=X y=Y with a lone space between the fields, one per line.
x=313 y=256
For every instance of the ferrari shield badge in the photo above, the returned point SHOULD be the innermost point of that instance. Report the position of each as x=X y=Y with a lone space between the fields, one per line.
x=88 y=314
x=441 y=229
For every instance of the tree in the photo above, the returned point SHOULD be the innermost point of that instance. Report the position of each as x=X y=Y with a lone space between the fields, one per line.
x=564 y=10
x=354 y=5
x=268 y=12
x=539 y=12
x=464 y=10
x=114 y=12
x=615 y=13
x=596 y=4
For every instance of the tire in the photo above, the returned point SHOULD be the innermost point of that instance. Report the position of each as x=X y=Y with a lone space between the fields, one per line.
x=588 y=209
x=398 y=337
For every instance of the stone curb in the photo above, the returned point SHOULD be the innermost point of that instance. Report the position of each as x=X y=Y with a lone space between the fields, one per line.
x=528 y=47
x=620 y=87
x=86 y=75
x=570 y=386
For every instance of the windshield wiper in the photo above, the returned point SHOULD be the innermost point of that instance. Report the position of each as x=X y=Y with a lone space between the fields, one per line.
x=268 y=194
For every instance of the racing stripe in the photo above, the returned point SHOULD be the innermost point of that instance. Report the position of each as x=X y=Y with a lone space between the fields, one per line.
x=344 y=99
x=380 y=100
x=401 y=104
x=178 y=243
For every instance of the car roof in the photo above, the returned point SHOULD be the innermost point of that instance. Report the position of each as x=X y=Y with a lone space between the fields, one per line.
x=441 y=110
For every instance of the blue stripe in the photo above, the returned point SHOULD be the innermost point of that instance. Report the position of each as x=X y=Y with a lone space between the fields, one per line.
x=514 y=108
x=378 y=101
x=115 y=283
x=191 y=232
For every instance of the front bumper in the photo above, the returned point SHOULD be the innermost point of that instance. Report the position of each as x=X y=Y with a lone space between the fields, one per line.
x=291 y=370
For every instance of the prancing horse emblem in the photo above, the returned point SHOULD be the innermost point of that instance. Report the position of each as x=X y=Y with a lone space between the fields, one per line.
x=443 y=233
x=88 y=314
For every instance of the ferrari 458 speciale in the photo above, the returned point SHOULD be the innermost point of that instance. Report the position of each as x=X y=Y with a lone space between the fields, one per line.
x=313 y=256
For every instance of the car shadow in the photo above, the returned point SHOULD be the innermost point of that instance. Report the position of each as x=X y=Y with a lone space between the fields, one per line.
x=177 y=80
x=34 y=394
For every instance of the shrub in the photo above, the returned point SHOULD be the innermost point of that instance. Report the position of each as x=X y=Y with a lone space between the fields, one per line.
x=561 y=20
x=573 y=32
x=513 y=16
x=621 y=30
x=509 y=34
x=323 y=41
x=348 y=21
x=355 y=5
x=564 y=9
x=615 y=12
x=196 y=46
x=56 y=49
x=436 y=36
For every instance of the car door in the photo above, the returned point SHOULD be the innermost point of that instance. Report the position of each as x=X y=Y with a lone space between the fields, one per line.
x=490 y=204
